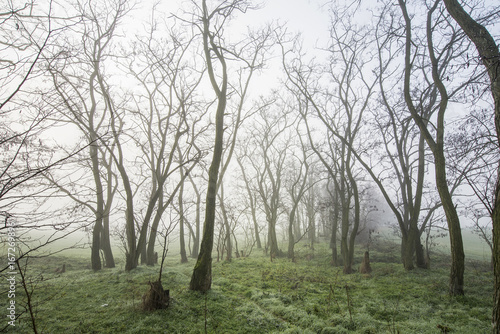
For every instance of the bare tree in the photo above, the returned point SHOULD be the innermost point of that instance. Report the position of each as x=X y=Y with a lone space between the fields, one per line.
x=271 y=141
x=169 y=79
x=437 y=55
x=251 y=198
x=85 y=102
x=297 y=182
x=248 y=56
x=212 y=22
x=341 y=114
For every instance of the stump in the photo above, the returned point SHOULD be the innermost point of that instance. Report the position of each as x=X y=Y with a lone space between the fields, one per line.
x=156 y=298
x=61 y=270
x=365 y=267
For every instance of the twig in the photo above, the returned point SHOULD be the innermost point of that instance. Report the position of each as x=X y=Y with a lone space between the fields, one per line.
x=28 y=297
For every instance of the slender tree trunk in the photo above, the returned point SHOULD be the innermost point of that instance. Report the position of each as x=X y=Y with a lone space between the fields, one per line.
x=311 y=218
x=150 y=249
x=201 y=279
x=196 y=236
x=106 y=243
x=333 y=240
x=105 y=235
x=344 y=245
x=227 y=227
x=95 y=257
x=456 y=243
x=272 y=239
x=291 y=240
x=182 y=241
x=357 y=217
x=256 y=229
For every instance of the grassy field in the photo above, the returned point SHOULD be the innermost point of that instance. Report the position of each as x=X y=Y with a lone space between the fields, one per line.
x=255 y=295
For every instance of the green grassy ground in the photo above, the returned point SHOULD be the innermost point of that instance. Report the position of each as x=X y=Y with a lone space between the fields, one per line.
x=255 y=295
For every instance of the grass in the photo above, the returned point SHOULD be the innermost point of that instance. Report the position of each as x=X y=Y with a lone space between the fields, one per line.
x=255 y=295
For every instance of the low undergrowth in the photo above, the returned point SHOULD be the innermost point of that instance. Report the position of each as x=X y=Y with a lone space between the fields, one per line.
x=255 y=295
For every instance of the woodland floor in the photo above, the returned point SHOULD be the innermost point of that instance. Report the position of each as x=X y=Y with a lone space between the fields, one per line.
x=255 y=295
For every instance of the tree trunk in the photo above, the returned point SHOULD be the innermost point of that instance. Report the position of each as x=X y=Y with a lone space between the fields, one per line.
x=408 y=250
x=273 y=240
x=291 y=239
x=182 y=241
x=227 y=226
x=420 y=254
x=94 y=249
x=97 y=230
x=196 y=236
x=334 y=216
x=344 y=245
x=496 y=261
x=184 y=258
x=201 y=279
x=150 y=250
x=106 y=242
x=255 y=225
x=357 y=217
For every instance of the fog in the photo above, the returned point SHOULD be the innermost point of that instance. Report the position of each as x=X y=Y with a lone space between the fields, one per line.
x=137 y=136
